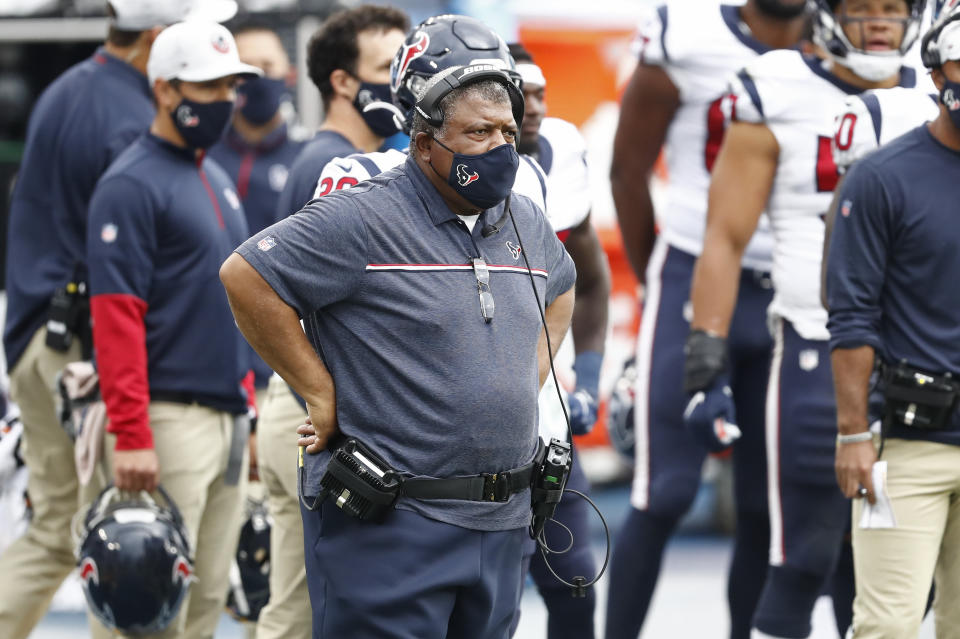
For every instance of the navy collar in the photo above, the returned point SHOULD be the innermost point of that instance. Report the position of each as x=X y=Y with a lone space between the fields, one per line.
x=739 y=28
x=182 y=152
x=121 y=68
x=271 y=141
x=908 y=76
x=436 y=206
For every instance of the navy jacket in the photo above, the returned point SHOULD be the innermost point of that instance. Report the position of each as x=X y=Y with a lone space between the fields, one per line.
x=260 y=172
x=894 y=260
x=79 y=125
x=306 y=170
x=161 y=224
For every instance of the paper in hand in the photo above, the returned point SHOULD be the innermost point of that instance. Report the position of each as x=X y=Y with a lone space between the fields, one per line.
x=879 y=515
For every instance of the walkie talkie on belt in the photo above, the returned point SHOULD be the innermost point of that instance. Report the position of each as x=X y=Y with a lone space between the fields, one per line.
x=69 y=314
x=548 y=483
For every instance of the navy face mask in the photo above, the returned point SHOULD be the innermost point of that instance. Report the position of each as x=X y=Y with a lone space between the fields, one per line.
x=202 y=124
x=376 y=107
x=260 y=98
x=486 y=179
x=950 y=97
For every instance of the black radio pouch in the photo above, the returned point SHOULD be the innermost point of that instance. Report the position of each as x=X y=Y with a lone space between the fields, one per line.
x=69 y=316
x=548 y=481
x=360 y=482
x=916 y=399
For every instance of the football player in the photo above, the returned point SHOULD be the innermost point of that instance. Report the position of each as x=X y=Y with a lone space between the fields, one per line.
x=778 y=157
x=677 y=97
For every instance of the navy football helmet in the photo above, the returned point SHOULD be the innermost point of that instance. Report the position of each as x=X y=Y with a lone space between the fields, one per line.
x=135 y=560
x=620 y=409
x=828 y=20
x=439 y=43
x=250 y=575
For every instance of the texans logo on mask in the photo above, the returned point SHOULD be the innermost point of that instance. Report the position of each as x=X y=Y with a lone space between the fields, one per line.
x=950 y=100
x=89 y=572
x=410 y=53
x=186 y=116
x=465 y=178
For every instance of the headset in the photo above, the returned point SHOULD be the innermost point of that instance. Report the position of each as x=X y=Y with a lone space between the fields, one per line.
x=428 y=106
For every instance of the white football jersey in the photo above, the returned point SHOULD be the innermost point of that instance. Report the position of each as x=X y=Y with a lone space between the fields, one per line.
x=797 y=99
x=562 y=154
x=699 y=49
x=874 y=118
x=342 y=173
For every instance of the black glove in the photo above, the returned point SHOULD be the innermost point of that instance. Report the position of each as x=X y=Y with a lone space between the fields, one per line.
x=706 y=360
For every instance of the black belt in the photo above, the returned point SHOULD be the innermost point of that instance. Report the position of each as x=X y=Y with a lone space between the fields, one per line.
x=183 y=397
x=483 y=487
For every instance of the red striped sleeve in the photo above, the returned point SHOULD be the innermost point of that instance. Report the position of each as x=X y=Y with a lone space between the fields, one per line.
x=120 y=341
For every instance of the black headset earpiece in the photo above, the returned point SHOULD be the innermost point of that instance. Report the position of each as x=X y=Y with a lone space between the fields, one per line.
x=429 y=105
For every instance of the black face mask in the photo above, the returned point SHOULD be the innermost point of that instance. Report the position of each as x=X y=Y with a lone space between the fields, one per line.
x=202 y=124
x=780 y=9
x=260 y=98
x=375 y=105
x=485 y=179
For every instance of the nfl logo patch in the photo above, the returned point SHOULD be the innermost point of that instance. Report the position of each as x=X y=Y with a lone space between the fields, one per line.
x=266 y=243
x=108 y=233
x=845 y=208
x=809 y=359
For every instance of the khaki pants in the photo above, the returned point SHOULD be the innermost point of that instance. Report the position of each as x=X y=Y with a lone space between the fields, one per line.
x=894 y=567
x=287 y=615
x=193 y=446
x=33 y=567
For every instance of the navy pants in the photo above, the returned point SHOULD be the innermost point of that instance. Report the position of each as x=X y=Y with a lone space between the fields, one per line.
x=809 y=516
x=669 y=460
x=409 y=577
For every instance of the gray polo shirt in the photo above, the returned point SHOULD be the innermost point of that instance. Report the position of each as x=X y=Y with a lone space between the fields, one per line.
x=381 y=274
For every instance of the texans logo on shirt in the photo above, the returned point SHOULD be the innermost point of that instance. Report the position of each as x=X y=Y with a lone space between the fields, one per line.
x=465 y=178
x=89 y=572
x=514 y=250
x=186 y=116
x=408 y=54
x=220 y=44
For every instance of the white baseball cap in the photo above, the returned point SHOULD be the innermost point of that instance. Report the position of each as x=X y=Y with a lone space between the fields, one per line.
x=196 y=52
x=139 y=15
x=948 y=42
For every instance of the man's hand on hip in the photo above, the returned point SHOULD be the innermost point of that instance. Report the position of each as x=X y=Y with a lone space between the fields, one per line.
x=320 y=426
x=135 y=469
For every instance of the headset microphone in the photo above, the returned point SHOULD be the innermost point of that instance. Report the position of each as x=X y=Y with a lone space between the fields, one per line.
x=493 y=229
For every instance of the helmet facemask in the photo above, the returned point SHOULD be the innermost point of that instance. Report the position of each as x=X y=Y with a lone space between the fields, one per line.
x=873 y=66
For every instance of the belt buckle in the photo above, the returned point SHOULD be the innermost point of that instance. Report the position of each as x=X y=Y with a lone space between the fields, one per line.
x=496 y=487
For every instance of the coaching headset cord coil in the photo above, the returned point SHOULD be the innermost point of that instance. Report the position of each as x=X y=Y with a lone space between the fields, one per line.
x=579 y=584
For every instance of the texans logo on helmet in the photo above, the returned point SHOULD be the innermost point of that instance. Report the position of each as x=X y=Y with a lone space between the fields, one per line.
x=465 y=178
x=186 y=116
x=220 y=44
x=89 y=572
x=408 y=54
x=182 y=571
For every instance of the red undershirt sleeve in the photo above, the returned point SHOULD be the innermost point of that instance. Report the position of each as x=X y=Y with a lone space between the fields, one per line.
x=119 y=338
